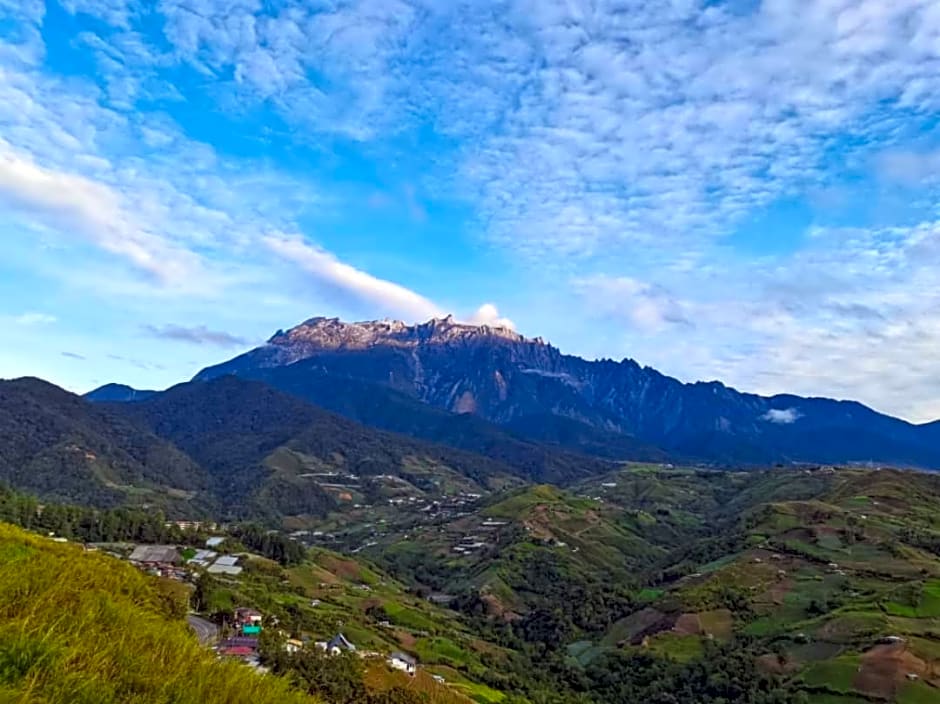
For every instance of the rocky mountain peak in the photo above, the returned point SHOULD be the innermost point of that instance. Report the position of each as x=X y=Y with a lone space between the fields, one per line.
x=332 y=334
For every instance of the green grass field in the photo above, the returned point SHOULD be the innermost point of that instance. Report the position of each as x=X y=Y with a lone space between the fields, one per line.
x=85 y=628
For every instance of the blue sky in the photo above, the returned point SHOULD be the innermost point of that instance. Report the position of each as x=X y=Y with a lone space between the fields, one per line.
x=738 y=190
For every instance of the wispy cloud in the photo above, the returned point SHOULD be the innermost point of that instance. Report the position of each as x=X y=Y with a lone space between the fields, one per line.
x=353 y=283
x=198 y=335
x=33 y=318
x=910 y=167
x=70 y=202
x=74 y=355
x=644 y=306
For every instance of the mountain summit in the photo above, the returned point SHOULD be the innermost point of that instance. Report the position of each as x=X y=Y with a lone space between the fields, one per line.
x=533 y=389
x=331 y=334
x=326 y=335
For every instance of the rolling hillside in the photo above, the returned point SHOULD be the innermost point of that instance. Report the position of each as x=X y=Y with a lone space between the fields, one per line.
x=58 y=446
x=270 y=454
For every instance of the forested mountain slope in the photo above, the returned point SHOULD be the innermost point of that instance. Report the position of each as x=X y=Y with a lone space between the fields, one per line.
x=59 y=446
x=506 y=378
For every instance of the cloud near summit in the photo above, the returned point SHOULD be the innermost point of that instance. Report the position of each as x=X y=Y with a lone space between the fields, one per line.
x=362 y=289
x=733 y=189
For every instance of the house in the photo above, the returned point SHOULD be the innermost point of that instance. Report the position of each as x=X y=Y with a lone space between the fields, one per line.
x=340 y=644
x=248 y=621
x=155 y=555
x=404 y=662
x=186 y=525
x=203 y=558
x=245 y=615
x=214 y=542
x=227 y=564
x=239 y=646
x=293 y=645
x=441 y=599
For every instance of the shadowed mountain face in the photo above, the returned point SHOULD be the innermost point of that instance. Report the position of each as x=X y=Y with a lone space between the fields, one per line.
x=232 y=426
x=527 y=385
x=230 y=447
x=118 y=392
x=61 y=447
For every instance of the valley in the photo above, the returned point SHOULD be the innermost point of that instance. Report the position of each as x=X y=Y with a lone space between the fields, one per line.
x=542 y=553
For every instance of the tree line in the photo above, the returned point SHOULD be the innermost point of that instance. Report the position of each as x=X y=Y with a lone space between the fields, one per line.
x=134 y=525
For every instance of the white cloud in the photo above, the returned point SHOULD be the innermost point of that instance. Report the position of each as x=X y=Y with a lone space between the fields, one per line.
x=71 y=202
x=488 y=314
x=644 y=306
x=353 y=283
x=33 y=318
x=782 y=416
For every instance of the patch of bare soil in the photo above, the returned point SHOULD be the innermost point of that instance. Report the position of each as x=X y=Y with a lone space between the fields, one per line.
x=688 y=625
x=885 y=668
x=777 y=665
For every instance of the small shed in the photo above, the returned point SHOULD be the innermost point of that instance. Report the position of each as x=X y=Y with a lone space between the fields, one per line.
x=340 y=644
x=227 y=564
x=404 y=662
x=245 y=615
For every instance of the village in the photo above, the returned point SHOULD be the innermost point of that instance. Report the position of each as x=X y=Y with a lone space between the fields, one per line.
x=365 y=525
x=237 y=635
x=244 y=644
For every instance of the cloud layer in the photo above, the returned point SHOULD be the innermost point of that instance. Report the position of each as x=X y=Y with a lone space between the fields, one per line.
x=198 y=335
x=625 y=171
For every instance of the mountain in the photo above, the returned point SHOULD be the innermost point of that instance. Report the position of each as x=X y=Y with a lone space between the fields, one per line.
x=269 y=453
x=526 y=385
x=230 y=448
x=57 y=445
x=117 y=392
x=537 y=455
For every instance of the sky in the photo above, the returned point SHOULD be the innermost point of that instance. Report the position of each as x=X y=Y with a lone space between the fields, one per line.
x=742 y=190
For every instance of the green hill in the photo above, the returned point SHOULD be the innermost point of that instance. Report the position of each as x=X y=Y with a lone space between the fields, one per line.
x=270 y=454
x=544 y=449
x=56 y=445
x=86 y=629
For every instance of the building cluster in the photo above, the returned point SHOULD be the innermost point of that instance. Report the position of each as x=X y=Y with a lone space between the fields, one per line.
x=244 y=645
x=480 y=539
x=168 y=561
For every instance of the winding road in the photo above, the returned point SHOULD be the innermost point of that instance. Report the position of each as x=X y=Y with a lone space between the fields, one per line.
x=206 y=631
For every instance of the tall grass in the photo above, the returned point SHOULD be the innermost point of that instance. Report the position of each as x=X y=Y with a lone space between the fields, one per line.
x=85 y=628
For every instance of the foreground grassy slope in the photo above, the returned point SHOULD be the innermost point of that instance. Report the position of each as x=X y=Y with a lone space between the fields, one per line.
x=85 y=628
